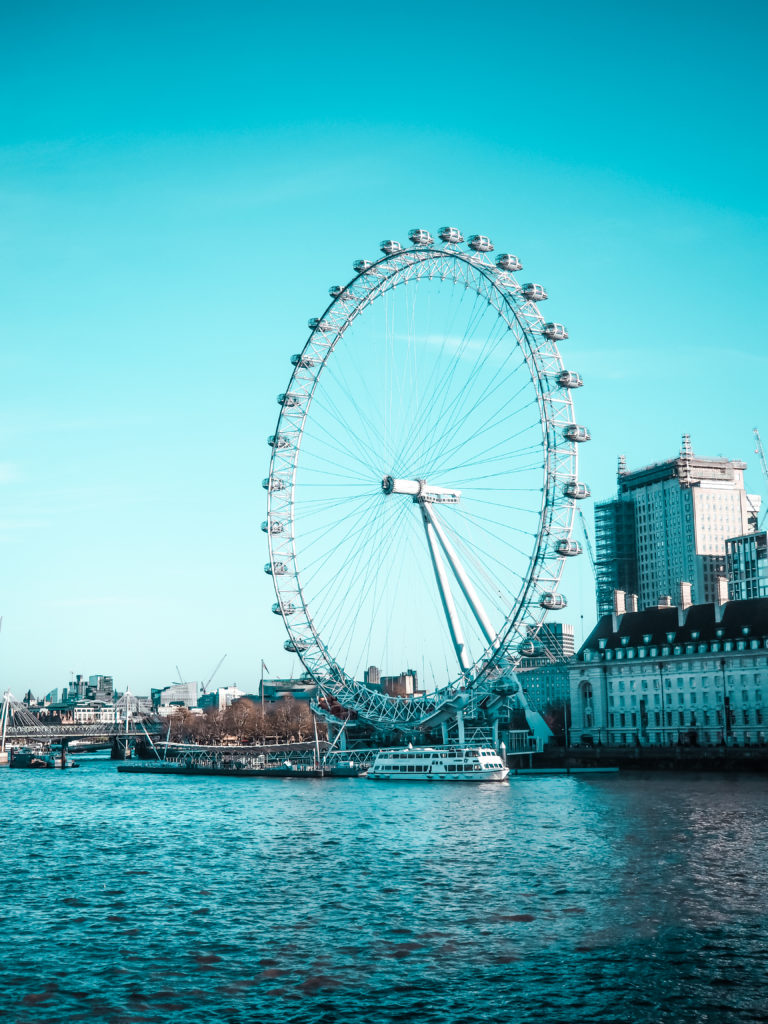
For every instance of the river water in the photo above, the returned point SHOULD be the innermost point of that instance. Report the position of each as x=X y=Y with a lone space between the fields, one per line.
x=604 y=898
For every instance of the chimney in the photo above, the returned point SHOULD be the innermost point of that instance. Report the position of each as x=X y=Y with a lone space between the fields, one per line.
x=721 y=589
x=665 y=601
x=618 y=609
x=684 y=602
x=631 y=602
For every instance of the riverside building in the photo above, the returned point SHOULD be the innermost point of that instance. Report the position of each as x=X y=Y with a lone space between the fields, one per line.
x=669 y=523
x=692 y=673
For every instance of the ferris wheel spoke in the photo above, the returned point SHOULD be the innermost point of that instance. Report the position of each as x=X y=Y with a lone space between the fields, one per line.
x=441 y=390
x=369 y=437
x=364 y=525
x=502 y=540
x=361 y=581
x=446 y=411
x=492 y=344
x=368 y=518
x=361 y=594
x=484 y=426
x=497 y=422
x=350 y=571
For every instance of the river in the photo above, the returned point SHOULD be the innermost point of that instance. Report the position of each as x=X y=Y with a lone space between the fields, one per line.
x=612 y=898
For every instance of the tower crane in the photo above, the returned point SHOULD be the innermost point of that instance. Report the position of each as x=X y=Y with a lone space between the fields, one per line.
x=588 y=542
x=760 y=452
x=205 y=686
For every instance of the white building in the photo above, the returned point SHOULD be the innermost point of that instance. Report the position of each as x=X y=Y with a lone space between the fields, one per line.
x=669 y=523
x=693 y=674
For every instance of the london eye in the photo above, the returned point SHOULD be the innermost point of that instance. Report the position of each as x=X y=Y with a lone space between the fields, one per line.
x=422 y=484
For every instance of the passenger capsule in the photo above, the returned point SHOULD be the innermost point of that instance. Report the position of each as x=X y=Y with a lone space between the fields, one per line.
x=360 y=266
x=552 y=602
x=283 y=608
x=316 y=324
x=569 y=379
x=420 y=237
x=556 y=332
x=273 y=527
x=480 y=243
x=527 y=648
x=295 y=646
x=389 y=247
x=573 y=432
x=534 y=292
x=287 y=400
x=506 y=261
x=273 y=483
x=305 y=362
x=568 y=548
x=278 y=569
x=451 y=235
x=573 y=489
x=335 y=290
x=278 y=441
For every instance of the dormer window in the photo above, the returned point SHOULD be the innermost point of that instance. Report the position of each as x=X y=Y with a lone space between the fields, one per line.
x=695 y=634
x=646 y=638
x=624 y=641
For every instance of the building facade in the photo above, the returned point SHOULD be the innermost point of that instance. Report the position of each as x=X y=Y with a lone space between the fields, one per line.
x=696 y=675
x=669 y=523
x=546 y=685
x=747 y=564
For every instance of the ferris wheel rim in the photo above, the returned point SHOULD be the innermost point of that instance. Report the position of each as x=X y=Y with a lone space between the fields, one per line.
x=560 y=465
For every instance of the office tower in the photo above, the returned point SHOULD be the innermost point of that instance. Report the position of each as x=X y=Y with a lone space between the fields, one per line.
x=668 y=524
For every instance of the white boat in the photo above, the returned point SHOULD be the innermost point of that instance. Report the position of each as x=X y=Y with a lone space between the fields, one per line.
x=439 y=764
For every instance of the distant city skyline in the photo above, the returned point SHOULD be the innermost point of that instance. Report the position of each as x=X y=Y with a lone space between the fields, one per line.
x=175 y=207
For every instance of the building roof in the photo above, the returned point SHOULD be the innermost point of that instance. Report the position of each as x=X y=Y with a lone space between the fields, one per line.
x=632 y=629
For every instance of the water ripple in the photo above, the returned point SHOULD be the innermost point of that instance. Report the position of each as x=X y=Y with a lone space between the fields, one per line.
x=176 y=901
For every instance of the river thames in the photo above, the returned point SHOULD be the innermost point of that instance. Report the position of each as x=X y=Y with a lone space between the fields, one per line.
x=619 y=899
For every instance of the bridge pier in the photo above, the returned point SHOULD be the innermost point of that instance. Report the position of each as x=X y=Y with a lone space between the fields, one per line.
x=121 y=748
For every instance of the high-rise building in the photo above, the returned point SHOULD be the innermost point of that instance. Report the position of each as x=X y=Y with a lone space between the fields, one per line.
x=551 y=641
x=667 y=525
x=747 y=561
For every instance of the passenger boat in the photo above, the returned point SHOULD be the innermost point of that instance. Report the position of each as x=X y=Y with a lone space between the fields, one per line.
x=439 y=764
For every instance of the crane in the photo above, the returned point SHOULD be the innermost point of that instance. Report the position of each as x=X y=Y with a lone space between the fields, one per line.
x=760 y=452
x=205 y=686
x=588 y=542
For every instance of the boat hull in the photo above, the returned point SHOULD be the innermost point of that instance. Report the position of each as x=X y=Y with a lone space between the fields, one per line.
x=497 y=775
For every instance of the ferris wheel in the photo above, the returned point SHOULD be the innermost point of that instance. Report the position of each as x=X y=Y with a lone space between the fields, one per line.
x=423 y=479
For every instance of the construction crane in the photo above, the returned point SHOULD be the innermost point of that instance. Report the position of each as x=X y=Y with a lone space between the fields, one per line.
x=760 y=452
x=588 y=542
x=205 y=686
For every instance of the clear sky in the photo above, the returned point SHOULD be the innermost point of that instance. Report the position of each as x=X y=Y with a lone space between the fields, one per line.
x=181 y=182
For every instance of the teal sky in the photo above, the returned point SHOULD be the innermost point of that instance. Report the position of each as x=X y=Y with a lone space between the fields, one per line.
x=181 y=182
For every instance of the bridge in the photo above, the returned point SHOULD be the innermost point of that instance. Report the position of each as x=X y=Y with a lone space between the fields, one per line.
x=18 y=725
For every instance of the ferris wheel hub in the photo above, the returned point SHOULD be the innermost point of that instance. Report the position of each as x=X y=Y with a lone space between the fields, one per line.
x=421 y=491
